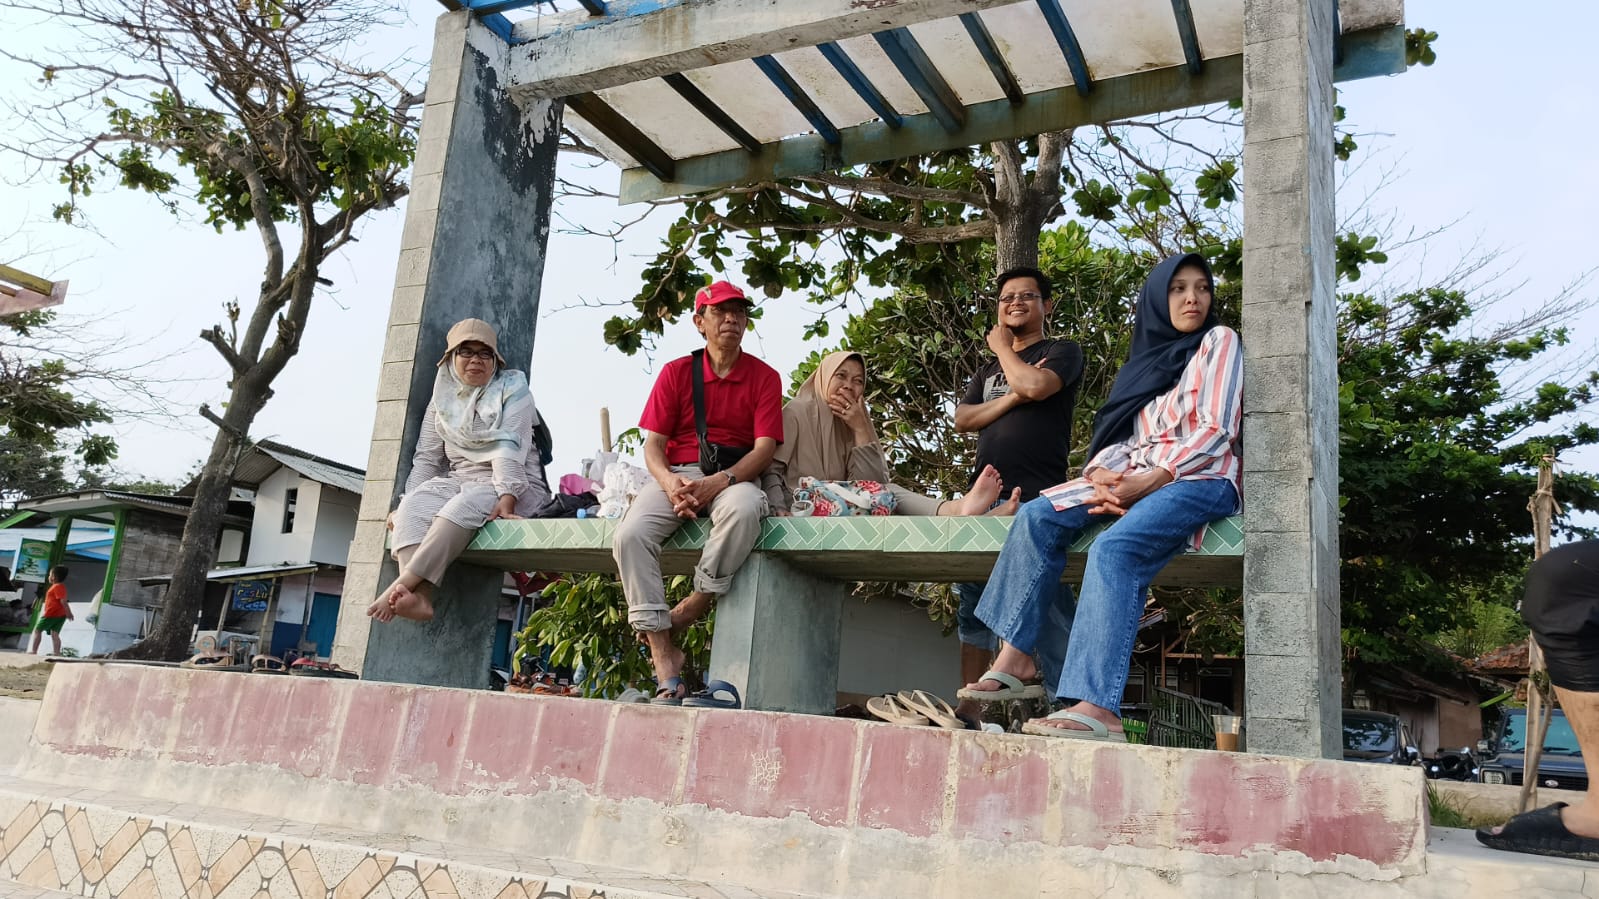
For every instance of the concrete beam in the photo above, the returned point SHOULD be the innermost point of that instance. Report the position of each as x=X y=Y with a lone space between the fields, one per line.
x=1291 y=597
x=472 y=246
x=573 y=53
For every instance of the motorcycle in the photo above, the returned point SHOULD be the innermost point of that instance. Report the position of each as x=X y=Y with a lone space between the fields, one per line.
x=1453 y=764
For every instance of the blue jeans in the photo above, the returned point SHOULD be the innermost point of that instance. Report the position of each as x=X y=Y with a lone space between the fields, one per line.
x=1050 y=645
x=1121 y=563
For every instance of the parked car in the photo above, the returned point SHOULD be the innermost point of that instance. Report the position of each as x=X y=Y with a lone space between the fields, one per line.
x=1504 y=759
x=1378 y=737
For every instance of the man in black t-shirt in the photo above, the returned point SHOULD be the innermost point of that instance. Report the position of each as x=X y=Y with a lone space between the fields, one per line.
x=1020 y=404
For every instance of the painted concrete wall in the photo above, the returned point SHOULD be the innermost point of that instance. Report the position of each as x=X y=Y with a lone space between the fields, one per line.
x=269 y=544
x=335 y=525
x=826 y=806
x=890 y=645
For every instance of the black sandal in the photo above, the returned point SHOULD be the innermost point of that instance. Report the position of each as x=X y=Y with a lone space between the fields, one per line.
x=1540 y=832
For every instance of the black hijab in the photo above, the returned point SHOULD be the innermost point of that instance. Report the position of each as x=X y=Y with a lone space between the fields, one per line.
x=1159 y=354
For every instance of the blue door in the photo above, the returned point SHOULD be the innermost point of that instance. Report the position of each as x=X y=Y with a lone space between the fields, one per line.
x=324 y=621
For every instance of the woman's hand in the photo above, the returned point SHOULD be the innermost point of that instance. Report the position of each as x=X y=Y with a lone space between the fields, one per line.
x=1131 y=488
x=853 y=414
x=505 y=508
x=388 y=523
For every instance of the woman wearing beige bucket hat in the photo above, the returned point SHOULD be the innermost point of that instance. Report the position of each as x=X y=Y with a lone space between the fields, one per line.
x=475 y=461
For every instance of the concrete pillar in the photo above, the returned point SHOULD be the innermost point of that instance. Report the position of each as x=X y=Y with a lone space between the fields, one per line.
x=777 y=637
x=473 y=246
x=1291 y=612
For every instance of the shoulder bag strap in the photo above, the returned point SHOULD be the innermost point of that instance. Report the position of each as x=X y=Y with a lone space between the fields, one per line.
x=698 y=377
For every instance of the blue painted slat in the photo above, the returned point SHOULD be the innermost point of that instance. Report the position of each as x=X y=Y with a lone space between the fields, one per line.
x=624 y=134
x=1367 y=54
x=595 y=7
x=707 y=107
x=1338 y=35
x=1184 y=14
x=489 y=7
x=863 y=86
x=978 y=32
x=923 y=77
x=797 y=96
x=1056 y=17
x=498 y=24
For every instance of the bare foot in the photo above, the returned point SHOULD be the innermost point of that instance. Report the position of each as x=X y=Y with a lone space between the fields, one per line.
x=985 y=491
x=1011 y=661
x=1111 y=720
x=381 y=609
x=1009 y=507
x=410 y=604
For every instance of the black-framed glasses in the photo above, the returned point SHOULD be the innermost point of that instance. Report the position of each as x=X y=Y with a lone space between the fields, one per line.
x=1028 y=297
x=486 y=355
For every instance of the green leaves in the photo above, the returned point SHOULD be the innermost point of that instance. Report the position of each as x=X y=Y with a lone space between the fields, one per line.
x=1097 y=201
x=1215 y=184
x=585 y=623
x=1153 y=191
x=1354 y=251
x=1418 y=47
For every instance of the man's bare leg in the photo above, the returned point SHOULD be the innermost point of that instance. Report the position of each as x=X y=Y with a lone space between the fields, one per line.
x=693 y=607
x=1582 y=710
x=55 y=640
x=666 y=659
x=38 y=636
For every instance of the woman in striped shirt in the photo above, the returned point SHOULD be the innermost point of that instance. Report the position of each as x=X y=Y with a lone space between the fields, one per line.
x=1164 y=460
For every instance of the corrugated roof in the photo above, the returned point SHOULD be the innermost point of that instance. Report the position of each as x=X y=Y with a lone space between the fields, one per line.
x=245 y=573
x=87 y=501
x=258 y=463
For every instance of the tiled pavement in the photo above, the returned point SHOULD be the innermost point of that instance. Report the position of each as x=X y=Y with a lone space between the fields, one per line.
x=58 y=841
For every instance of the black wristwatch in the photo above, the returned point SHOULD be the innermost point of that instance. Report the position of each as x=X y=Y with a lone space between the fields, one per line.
x=731 y=477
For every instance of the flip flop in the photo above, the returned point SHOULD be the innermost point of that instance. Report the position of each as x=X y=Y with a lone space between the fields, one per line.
x=670 y=692
x=1014 y=688
x=891 y=709
x=710 y=697
x=1096 y=728
x=934 y=708
x=1540 y=832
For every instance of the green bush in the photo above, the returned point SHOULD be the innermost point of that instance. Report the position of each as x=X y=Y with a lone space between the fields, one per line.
x=586 y=624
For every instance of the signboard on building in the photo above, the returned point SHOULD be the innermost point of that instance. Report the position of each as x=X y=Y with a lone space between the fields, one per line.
x=33 y=561
x=251 y=596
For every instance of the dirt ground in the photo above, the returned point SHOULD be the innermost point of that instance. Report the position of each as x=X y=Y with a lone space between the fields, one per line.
x=24 y=681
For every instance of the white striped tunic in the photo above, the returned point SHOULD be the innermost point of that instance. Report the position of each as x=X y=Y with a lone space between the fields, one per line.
x=1191 y=430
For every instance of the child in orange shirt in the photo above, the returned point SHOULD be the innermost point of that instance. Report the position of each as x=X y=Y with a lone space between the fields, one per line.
x=56 y=611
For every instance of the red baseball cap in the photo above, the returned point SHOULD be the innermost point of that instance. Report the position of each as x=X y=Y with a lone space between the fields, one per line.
x=718 y=293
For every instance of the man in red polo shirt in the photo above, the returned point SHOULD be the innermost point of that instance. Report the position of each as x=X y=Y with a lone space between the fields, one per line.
x=743 y=412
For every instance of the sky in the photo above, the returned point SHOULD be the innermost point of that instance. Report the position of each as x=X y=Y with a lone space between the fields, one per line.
x=1495 y=144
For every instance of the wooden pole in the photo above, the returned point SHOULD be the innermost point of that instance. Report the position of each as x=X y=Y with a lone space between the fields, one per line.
x=1539 y=701
x=605 y=428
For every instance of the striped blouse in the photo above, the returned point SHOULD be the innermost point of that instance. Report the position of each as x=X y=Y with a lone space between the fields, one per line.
x=1191 y=430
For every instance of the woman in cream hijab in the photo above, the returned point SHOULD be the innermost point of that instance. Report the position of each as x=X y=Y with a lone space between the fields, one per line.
x=475 y=461
x=827 y=435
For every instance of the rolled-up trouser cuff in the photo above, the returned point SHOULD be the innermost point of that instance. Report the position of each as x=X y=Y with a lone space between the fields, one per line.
x=650 y=620
x=705 y=582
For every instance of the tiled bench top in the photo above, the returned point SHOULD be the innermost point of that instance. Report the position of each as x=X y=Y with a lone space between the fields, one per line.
x=888 y=548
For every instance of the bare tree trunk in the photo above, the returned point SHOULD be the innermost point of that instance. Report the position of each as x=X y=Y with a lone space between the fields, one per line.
x=185 y=595
x=1024 y=204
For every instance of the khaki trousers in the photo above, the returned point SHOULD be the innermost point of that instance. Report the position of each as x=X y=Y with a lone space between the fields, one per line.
x=441 y=545
x=736 y=515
